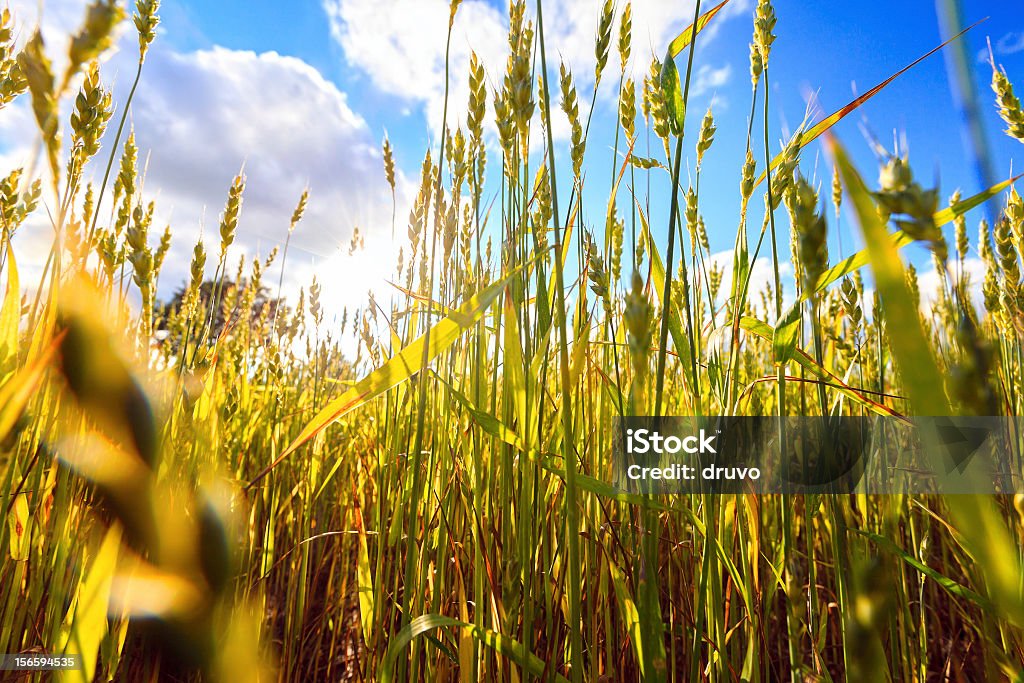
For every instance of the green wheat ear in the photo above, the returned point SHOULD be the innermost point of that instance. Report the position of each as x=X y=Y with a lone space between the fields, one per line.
x=1008 y=103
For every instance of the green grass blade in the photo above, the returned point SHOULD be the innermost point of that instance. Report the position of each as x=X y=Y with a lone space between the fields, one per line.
x=949 y=585
x=673 y=90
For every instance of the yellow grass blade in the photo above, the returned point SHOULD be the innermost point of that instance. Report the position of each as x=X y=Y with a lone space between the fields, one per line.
x=10 y=314
x=401 y=367
x=86 y=622
x=16 y=392
x=910 y=347
x=682 y=41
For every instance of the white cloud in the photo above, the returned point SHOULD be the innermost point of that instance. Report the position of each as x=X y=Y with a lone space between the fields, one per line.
x=400 y=44
x=709 y=79
x=929 y=283
x=762 y=276
x=199 y=116
x=1010 y=44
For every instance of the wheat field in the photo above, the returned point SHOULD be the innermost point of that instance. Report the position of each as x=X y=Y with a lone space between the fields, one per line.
x=216 y=487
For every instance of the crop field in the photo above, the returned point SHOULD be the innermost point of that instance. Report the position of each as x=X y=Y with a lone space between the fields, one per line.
x=228 y=486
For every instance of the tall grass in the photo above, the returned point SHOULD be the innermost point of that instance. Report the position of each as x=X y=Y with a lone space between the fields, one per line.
x=235 y=498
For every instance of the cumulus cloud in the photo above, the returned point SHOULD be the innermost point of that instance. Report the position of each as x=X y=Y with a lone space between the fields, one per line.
x=400 y=44
x=204 y=114
x=199 y=116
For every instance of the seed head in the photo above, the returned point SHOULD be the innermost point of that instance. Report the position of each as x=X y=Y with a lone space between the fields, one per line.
x=851 y=302
x=9 y=199
x=638 y=317
x=990 y=290
x=603 y=42
x=963 y=243
x=146 y=21
x=617 y=228
x=477 y=98
x=519 y=82
x=837 y=192
x=810 y=229
x=597 y=273
x=95 y=36
x=702 y=234
x=707 y=136
x=655 y=102
x=691 y=213
x=627 y=109
x=716 y=280
x=505 y=121
x=12 y=81
x=747 y=180
x=389 y=163
x=300 y=210
x=1008 y=262
x=1008 y=103
x=912 y=285
x=1015 y=215
x=459 y=162
x=764 y=24
x=756 y=65
x=93 y=109
x=453 y=9
x=571 y=108
x=229 y=219
x=901 y=195
x=625 y=35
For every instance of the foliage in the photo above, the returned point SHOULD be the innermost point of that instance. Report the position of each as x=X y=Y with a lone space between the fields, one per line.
x=249 y=502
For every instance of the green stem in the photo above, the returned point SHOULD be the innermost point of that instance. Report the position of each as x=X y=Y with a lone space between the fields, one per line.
x=569 y=459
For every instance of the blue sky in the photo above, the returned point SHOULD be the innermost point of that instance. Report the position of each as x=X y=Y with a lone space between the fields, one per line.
x=831 y=50
x=346 y=71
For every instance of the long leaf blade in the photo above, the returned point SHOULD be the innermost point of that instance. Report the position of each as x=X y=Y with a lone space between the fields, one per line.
x=820 y=128
x=682 y=41
x=910 y=347
x=402 y=366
